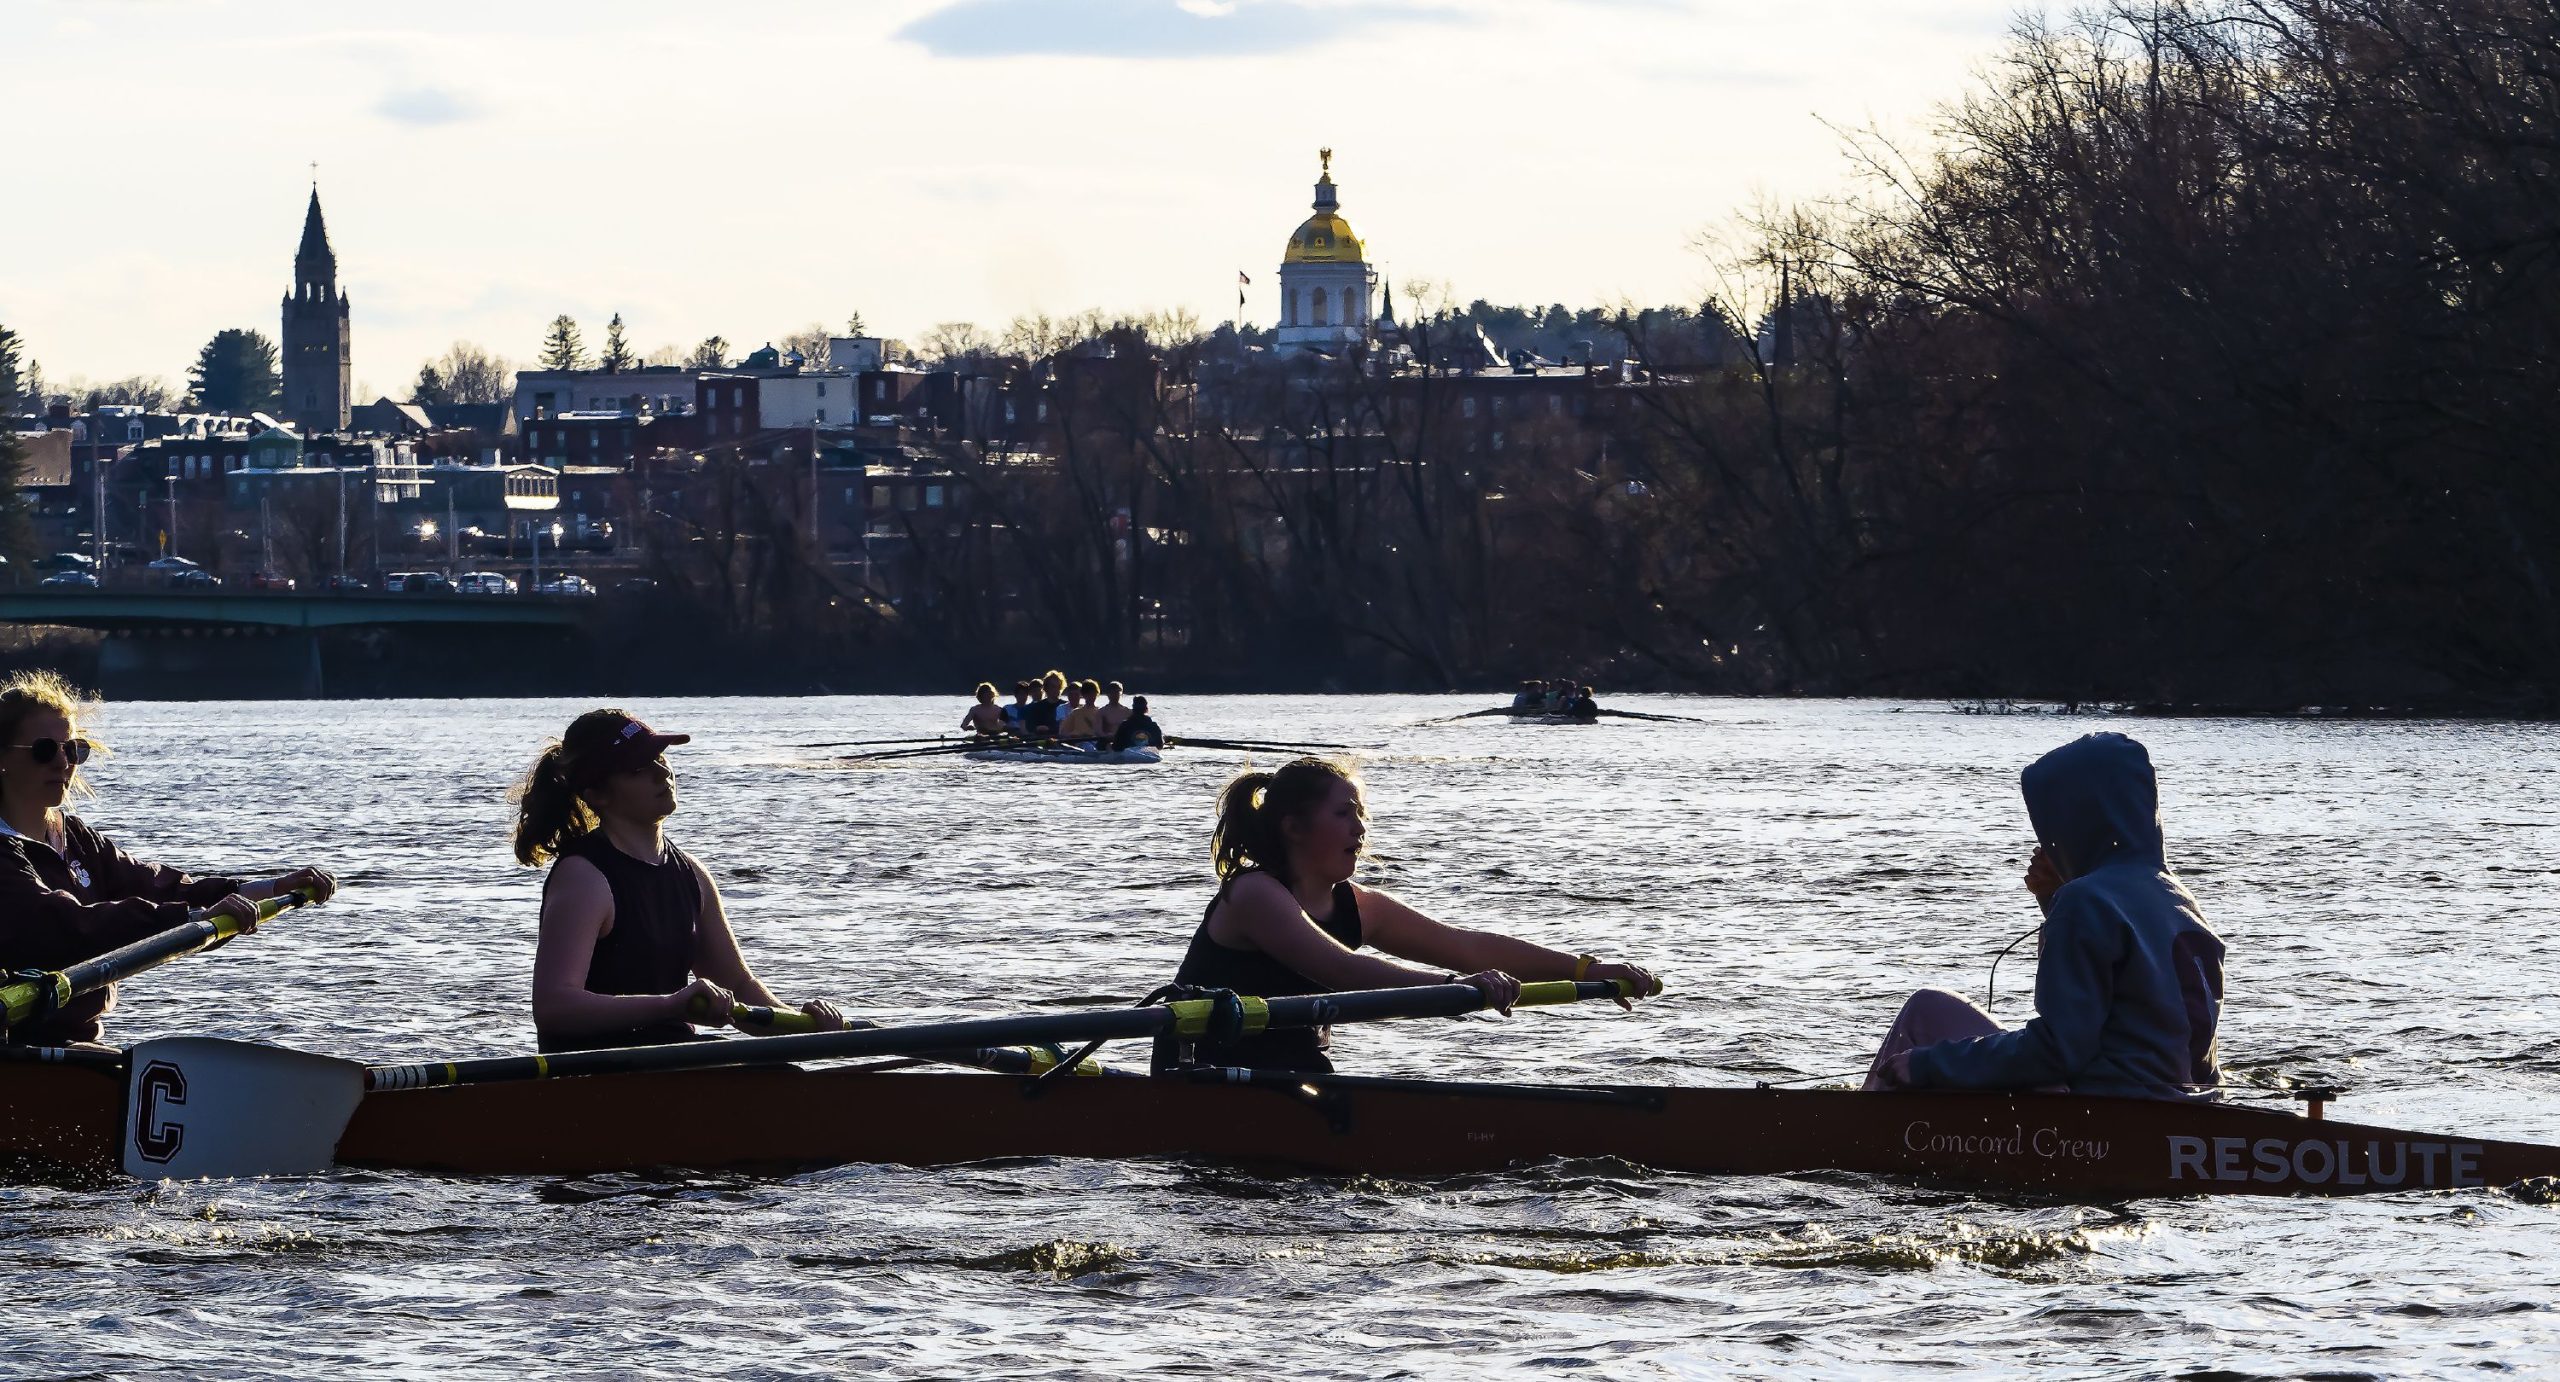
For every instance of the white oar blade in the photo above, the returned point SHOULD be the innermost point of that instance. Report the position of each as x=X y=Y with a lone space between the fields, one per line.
x=195 y=1106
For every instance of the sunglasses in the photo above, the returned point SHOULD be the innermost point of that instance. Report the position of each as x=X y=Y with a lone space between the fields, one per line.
x=73 y=751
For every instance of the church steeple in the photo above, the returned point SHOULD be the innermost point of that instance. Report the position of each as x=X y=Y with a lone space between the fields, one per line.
x=315 y=266
x=318 y=373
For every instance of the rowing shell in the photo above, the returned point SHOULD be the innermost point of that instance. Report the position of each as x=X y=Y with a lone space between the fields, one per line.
x=67 y=1120
x=1064 y=755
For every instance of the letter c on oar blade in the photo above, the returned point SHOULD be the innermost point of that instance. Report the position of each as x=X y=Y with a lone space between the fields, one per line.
x=200 y=1107
x=157 y=1131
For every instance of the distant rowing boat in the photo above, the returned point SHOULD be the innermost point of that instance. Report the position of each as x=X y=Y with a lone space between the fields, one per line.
x=1062 y=753
x=67 y=1119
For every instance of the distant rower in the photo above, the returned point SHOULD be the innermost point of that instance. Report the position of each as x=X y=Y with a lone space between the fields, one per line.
x=1288 y=919
x=635 y=947
x=1138 y=729
x=985 y=718
x=1083 y=723
x=2128 y=986
x=67 y=894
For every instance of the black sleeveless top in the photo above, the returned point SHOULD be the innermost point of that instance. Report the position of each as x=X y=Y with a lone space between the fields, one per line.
x=656 y=910
x=1252 y=973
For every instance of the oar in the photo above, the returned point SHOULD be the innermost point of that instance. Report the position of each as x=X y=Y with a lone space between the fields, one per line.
x=202 y=1107
x=1475 y=715
x=874 y=743
x=966 y=747
x=1182 y=741
x=1661 y=719
x=1007 y=1060
x=33 y=997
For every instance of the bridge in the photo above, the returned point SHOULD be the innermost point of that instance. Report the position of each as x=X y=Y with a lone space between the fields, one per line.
x=121 y=611
x=177 y=644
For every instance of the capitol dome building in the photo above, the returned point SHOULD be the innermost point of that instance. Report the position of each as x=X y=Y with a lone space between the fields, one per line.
x=1326 y=283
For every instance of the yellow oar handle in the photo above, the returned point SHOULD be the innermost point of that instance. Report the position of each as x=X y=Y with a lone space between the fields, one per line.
x=225 y=925
x=42 y=992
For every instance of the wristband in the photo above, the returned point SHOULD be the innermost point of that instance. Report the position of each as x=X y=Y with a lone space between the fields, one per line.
x=1582 y=966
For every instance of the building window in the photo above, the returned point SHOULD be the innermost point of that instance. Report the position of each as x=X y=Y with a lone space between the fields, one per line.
x=1044 y=410
x=1467 y=405
x=1555 y=404
x=822 y=415
x=1316 y=308
x=738 y=396
x=822 y=388
x=848 y=497
x=933 y=496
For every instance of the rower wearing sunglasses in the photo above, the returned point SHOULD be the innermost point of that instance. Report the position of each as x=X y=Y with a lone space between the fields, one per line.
x=67 y=894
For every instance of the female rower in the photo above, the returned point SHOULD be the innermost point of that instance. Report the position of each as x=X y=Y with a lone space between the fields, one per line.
x=1111 y=710
x=2129 y=978
x=984 y=718
x=635 y=947
x=1288 y=919
x=1083 y=723
x=67 y=894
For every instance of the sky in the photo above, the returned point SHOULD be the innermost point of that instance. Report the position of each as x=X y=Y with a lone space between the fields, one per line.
x=747 y=170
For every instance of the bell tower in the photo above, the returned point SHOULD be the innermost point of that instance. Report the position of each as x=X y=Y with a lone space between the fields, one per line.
x=319 y=375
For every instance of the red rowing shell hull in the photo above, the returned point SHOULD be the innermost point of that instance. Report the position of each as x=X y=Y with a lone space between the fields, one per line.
x=2040 y=1144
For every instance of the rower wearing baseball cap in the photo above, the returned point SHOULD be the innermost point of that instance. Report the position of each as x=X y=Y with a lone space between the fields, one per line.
x=635 y=948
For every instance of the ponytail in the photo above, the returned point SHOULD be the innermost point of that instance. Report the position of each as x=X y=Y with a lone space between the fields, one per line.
x=1254 y=805
x=549 y=815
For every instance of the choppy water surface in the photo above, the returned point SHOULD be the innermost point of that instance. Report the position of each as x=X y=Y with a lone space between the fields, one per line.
x=1793 y=868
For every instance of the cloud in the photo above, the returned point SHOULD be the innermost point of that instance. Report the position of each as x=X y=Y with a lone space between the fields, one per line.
x=1144 y=29
x=426 y=106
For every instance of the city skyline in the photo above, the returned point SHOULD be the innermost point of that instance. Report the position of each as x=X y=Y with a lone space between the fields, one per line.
x=920 y=162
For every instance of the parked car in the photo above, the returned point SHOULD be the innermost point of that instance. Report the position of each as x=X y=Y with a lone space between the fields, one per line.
x=269 y=580
x=345 y=585
x=566 y=583
x=416 y=583
x=71 y=561
x=483 y=583
x=197 y=580
x=70 y=580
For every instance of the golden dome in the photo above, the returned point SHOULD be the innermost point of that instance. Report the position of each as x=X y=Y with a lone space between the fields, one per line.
x=1325 y=239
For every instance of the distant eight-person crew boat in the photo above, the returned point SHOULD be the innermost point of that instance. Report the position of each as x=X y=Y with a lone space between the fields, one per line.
x=2112 y=1090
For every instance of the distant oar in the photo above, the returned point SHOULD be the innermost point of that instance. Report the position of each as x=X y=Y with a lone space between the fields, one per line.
x=968 y=746
x=33 y=997
x=1474 y=715
x=202 y=1107
x=1662 y=719
x=1181 y=741
x=874 y=743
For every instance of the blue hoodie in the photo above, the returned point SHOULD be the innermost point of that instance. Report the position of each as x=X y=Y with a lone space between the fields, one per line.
x=2129 y=984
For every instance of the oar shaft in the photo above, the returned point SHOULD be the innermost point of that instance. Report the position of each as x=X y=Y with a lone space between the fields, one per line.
x=33 y=997
x=1006 y=1060
x=1189 y=1017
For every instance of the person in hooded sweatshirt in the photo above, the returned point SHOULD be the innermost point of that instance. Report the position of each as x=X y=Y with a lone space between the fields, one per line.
x=2129 y=978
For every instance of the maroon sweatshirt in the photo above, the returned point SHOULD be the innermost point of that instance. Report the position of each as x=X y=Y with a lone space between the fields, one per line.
x=57 y=911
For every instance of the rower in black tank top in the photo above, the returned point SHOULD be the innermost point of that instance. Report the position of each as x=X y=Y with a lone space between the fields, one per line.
x=1209 y=964
x=656 y=908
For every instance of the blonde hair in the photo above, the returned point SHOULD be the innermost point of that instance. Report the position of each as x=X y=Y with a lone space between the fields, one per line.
x=28 y=693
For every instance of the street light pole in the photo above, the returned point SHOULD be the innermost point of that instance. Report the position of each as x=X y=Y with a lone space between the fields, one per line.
x=171 y=540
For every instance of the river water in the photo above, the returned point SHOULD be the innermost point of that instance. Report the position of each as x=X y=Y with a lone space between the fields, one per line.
x=1792 y=868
